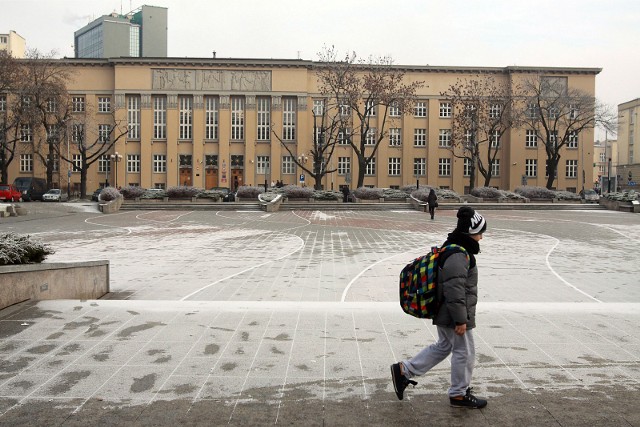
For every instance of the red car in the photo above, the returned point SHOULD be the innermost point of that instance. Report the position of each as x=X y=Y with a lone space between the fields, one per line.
x=9 y=193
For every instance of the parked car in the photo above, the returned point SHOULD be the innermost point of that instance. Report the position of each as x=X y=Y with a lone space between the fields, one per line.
x=9 y=193
x=31 y=188
x=55 y=195
x=590 y=196
x=96 y=195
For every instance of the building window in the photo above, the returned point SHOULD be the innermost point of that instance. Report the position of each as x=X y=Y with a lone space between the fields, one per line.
x=288 y=165
x=572 y=141
x=445 y=109
x=394 y=110
x=211 y=161
x=532 y=110
x=344 y=165
x=264 y=118
x=318 y=107
x=370 y=108
x=185 y=117
x=573 y=111
x=25 y=133
x=571 y=168
x=531 y=138
x=133 y=163
x=104 y=104
x=3 y=102
x=76 y=162
x=444 y=167
x=554 y=113
x=77 y=104
x=371 y=167
x=495 y=139
x=237 y=118
x=133 y=117
x=466 y=167
x=104 y=164
x=211 y=117
x=26 y=163
x=104 y=133
x=159 y=117
x=51 y=132
x=420 y=137
x=345 y=110
x=531 y=167
x=77 y=133
x=289 y=106
x=419 y=166
x=494 y=111
x=394 y=137
x=603 y=157
x=444 y=138
x=468 y=137
x=52 y=105
x=394 y=166
x=553 y=138
x=262 y=165
x=344 y=136
x=495 y=167
x=420 y=109
x=159 y=163
x=370 y=138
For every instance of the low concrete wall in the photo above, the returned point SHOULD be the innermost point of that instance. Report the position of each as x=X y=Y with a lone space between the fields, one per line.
x=616 y=205
x=74 y=280
x=111 y=206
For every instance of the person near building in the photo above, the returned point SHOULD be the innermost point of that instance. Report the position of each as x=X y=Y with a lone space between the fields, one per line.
x=456 y=318
x=432 y=202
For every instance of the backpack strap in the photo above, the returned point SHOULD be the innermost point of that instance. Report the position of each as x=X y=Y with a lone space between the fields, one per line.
x=448 y=250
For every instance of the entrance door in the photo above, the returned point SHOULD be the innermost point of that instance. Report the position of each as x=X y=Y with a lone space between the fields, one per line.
x=211 y=178
x=185 y=176
x=236 y=179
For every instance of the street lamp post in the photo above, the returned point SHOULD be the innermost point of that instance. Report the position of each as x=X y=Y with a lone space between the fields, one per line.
x=116 y=158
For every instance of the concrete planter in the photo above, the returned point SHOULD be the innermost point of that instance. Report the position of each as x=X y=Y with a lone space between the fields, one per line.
x=111 y=206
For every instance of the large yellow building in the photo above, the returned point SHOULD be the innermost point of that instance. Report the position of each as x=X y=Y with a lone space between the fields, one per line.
x=205 y=123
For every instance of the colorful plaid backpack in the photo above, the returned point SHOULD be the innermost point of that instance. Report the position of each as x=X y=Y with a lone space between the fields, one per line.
x=419 y=280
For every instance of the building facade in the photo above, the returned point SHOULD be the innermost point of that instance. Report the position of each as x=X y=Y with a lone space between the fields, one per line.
x=13 y=43
x=210 y=123
x=139 y=33
x=605 y=164
x=628 y=139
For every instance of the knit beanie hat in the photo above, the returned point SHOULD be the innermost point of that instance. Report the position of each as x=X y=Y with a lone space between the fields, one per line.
x=470 y=221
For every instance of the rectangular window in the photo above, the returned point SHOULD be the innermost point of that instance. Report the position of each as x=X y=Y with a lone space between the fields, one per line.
x=52 y=132
x=444 y=138
x=444 y=167
x=237 y=118
x=133 y=117
x=531 y=167
x=603 y=157
x=394 y=110
x=532 y=110
x=3 y=102
x=77 y=104
x=495 y=167
x=160 y=117
x=104 y=164
x=466 y=167
x=495 y=139
x=394 y=137
x=26 y=163
x=371 y=167
x=420 y=109
x=52 y=105
x=554 y=112
x=104 y=104
x=394 y=166
x=420 y=137
x=25 y=133
x=370 y=138
x=318 y=107
x=344 y=165
x=553 y=138
x=572 y=141
x=571 y=168
x=494 y=111
x=573 y=112
x=76 y=162
x=288 y=165
x=289 y=107
x=211 y=161
x=345 y=110
x=133 y=163
x=531 y=138
x=445 y=109
x=264 y=118
x=419 y=166
x=104 y=133
x=186 y=160
x=77 y=133
x=344 y=136
x=468 y=137
x=159 y=163
x=262 y=165
x=185 y=117
x=211 y=117
x=370 y=108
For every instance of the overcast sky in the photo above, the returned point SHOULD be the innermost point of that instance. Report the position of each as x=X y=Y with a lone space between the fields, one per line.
x=556 y=33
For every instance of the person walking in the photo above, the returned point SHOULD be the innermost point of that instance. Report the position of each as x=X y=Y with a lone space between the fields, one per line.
x=456 y=318
x=432 y=201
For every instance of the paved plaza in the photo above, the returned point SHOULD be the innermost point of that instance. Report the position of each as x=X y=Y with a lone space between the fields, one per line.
x=292 y=318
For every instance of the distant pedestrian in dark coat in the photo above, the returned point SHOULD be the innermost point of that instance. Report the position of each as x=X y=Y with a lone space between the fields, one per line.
x=432 y=201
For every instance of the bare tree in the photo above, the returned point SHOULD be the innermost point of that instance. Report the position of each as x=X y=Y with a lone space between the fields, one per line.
x=483 y=111
x=559 y=114
x=361 y=94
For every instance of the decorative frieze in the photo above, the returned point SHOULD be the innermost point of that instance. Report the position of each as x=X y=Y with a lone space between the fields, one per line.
x=211 y=80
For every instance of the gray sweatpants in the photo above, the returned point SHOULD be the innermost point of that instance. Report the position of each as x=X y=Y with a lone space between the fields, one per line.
x=463 y=355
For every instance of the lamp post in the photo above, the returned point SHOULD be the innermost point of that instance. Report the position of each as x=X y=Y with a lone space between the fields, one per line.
x=116 y=158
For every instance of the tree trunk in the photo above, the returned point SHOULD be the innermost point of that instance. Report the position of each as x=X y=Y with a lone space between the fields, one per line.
x=83 y=182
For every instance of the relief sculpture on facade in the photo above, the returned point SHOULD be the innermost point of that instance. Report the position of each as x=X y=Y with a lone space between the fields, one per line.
x=212 y=80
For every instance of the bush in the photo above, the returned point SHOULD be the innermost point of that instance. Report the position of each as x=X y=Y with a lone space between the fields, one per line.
x=531 y=192
x=295 y=192
x=566 y=195
x=366 y=193
x=486 y=192
x=442 y=194
x=215 y=195
x=327 y=195
x=394 y=194
x=109 y=193
x=249 y=192
x=15 y=249
x=182 y=192
x=154 y=194
x=131 y=192
x=624 y=196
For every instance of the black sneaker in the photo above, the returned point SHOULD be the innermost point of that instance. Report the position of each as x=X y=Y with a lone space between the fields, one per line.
x=400 y=382
x=468 y=401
